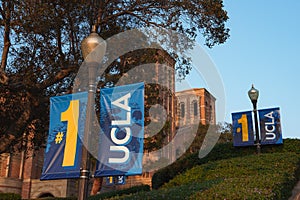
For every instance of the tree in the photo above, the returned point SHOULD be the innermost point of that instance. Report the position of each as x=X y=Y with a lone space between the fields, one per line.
x=37 y=62
x=225 y=130
x=40 y=49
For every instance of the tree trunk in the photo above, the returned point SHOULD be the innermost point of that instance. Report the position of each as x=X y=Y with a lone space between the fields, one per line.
x=97 y=185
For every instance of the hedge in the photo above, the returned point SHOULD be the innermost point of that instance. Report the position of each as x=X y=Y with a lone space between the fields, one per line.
x=220 y=151
x=9 y=196
x=127 y=191
x=265 y=176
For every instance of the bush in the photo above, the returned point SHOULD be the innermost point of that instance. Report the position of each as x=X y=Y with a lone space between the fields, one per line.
x=131 y=190
x=9 y=196
x=57 y=198
x=220 y=151
x=265 y=176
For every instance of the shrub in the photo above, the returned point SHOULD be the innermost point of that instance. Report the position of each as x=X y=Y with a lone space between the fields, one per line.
x=220 y=151
x=57 y=198
x=131 y=190
x=265 y=176
x=9 y=196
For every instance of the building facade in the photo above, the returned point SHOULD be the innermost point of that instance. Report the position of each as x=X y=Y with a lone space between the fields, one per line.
x=20 y=173
x=195 y=105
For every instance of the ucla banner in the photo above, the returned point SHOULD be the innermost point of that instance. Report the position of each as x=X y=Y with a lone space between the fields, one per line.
x=122 y=136
x=270 y=126
x=115 y=180
x=242 y=125
x=63 y=150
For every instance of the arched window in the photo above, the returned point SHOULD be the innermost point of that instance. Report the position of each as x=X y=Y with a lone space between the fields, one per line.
x=195 y=107
x=45 y=195
x=182 y=110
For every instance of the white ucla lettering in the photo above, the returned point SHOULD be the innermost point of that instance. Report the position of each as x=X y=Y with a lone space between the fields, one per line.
x=127 y=121
x=125 y=100
x=124 y=106
x=268 y=130
x=119 y=160
x=122 y=103
x=120 y=141
x=270 y=127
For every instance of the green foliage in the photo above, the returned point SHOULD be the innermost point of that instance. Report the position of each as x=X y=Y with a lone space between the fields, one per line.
x=131 y=190
x=58 y=198
x=174 y=193
x=265 y=176
x=226 y=173
x=233 y=173
x=219 y=152
x=9 y=196
x=106 y=195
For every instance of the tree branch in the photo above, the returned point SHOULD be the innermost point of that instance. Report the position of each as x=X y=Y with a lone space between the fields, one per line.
x=58 y=76
x=6 y=46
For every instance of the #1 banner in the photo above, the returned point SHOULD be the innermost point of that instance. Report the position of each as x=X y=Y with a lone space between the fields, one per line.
x=242 y=125
x=270 y=126
x=122 y=136
x=64 y=146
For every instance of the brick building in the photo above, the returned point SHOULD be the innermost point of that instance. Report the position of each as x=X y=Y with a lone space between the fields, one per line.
x=20 y=173
x=194 y=105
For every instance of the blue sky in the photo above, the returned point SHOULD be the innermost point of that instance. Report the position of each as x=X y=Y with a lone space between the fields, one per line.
x=263 y=49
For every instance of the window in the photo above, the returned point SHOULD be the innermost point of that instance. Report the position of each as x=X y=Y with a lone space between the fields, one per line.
x=195 y=106
x=182 y=110
x=210 y=113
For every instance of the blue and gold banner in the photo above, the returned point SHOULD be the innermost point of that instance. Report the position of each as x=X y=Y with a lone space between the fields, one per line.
x=270 y=127
x=64 y=147
x=122 y=137
x=242 y=125
x=115 y=180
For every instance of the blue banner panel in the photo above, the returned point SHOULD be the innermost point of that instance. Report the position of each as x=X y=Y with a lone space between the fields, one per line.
x=270 y=126
x=242 y=125
x=115 y=180
x=122 y=136
x=64 y=147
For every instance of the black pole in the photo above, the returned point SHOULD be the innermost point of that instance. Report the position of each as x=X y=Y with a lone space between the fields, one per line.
x=254 y=102
x=85 y=165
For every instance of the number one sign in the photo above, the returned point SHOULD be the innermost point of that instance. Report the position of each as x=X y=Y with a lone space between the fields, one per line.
x=242 y=129
x=63 y=150
x=71 y=116
x=270 y=127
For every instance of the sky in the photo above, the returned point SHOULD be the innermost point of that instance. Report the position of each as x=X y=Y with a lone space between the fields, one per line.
x=263 y=49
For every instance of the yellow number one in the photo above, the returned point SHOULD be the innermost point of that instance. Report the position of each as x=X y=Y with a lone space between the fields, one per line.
x=111 y=179
x=71 y=115
x=244 y=121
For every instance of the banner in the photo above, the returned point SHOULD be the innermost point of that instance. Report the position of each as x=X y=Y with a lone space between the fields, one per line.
x=63 y=150
x=122 y=137
x=270 y=126
x=242 y=125
x=115 y=180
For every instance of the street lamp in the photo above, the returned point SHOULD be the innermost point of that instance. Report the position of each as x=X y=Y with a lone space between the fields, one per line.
x=253 y=95
x=93 y=48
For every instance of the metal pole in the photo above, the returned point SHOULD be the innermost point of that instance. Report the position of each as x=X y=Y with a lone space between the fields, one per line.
x=88 y=45
x=256 y=126
x=85 y=169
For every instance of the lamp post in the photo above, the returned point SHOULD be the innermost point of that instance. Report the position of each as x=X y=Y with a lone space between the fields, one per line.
x=93 y=43
x=253 y=95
